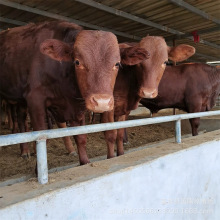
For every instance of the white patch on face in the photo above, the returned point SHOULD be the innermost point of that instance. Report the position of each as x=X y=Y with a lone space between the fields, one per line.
x=163 y=65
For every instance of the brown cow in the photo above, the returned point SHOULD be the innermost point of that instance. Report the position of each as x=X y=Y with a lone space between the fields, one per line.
x=80 y=75
x=140 y=81
x=191 y=88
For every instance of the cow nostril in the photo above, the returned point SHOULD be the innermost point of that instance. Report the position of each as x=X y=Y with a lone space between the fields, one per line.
x=111 y=102
x=154 y=93
x=94 y=101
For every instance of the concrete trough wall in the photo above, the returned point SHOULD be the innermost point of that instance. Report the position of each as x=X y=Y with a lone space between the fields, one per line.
x=173 y=181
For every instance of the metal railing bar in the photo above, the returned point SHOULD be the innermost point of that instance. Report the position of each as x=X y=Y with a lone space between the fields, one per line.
x=62 y=132
x=41 y=136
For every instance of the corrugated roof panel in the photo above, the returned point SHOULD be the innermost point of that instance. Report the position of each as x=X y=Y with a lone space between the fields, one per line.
x=161 y=12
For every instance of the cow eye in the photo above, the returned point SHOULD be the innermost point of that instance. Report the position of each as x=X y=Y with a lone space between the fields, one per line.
x=77 y=62
x=117 y=64
x=166 y=62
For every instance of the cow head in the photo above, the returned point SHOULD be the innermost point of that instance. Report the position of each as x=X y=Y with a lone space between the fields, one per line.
x=149 y=72
x=97 y=58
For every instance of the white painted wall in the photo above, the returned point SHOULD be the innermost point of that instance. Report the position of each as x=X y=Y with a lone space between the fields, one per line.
x=183 y=185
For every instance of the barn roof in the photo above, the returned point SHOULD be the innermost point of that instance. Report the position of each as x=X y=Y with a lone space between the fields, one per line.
x=130 y=20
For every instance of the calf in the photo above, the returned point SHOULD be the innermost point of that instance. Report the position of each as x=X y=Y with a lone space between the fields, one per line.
x=191 y=88
x=58 y=66
x=139 y=81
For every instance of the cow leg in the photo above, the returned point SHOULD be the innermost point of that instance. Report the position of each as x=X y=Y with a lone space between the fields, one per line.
x=23 y=127
x=67 y=141
x=13 y=109
x=81 y=142
x=110 y=136
x=193 y=108
x=125 y=138
x=10 y=122
x=195 y=122
x=90 y=116
x=120 y=147
x=49 y=120
x=3 y=113
x=0 y=115
x=94 y=117
x=153 y=114
x=37 y=110
x=120 y=135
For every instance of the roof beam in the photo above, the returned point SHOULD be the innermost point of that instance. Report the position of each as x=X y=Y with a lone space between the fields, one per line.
x=207 y=43
x=140 y=20
x=60 y=17
x=205 y=31
x=199 y=54
x=195 y=10
x=128 y=16
x=206 y=56
x=11 y=21
x=103 y=7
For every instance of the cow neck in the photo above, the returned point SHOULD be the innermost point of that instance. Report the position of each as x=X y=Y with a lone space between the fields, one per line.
x=126 y=88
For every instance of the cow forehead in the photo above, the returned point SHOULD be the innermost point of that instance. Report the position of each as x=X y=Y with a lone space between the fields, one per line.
x=156 y=46
x=93 y=35
x=96 y=43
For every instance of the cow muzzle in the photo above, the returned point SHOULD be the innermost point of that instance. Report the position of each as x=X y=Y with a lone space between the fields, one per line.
x=100 y=103
x=146 y=93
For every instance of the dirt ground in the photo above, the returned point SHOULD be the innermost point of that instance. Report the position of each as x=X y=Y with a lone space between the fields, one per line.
x=12 y=165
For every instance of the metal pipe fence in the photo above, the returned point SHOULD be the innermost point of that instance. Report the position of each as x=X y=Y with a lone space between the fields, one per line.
x=41 y=136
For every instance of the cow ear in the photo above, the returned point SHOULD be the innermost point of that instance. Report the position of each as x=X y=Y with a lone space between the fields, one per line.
x=180 y=52
x=133 y=55
x=57 y=50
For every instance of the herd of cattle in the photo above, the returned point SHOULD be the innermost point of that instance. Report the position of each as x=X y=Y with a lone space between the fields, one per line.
x=57 y=68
